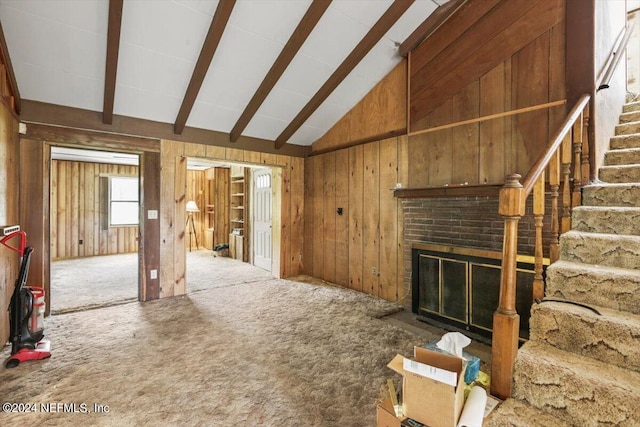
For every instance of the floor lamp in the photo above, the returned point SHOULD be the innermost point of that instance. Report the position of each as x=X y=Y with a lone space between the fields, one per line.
x=191 y=208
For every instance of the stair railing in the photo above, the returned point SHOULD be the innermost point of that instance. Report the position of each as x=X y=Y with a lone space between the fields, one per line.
x=565 y=161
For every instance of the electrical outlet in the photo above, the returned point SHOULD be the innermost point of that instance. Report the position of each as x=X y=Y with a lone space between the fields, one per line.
x=153 y=274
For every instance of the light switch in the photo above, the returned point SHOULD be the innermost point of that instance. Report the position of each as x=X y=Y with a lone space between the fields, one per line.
x=152 y=214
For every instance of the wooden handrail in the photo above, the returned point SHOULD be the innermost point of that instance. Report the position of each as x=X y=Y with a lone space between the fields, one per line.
x=543 y=161
x=568 y=147
x=615 y=58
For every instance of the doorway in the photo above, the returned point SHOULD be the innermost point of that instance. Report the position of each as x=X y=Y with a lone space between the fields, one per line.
x=95 y=214
x=262 y=219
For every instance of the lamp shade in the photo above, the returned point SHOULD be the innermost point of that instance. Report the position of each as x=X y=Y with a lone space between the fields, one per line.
x=192 y=207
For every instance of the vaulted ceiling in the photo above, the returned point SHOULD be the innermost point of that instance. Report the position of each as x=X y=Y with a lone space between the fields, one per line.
x=279 y=70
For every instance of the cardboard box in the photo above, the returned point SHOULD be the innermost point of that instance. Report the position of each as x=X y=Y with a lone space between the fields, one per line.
x=386 y=417
x=433 y=386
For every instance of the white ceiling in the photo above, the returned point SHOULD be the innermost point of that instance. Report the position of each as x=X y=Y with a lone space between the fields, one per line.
x=58 y=51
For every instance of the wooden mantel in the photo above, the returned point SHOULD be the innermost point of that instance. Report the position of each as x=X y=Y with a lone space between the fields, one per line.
x=458 y=190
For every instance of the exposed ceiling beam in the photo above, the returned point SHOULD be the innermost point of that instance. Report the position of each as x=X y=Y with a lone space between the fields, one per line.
x=13 y=84
x=297 y=39
x=218 y=24
x=111 y=69
x=429 y=25
x=379 y=29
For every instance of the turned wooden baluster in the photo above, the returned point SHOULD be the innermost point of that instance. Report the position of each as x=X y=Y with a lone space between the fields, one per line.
x=506 y=321
x=586 y=165
x=566 y=183
x=554 y=187
x=576 y=197
x=538 y=215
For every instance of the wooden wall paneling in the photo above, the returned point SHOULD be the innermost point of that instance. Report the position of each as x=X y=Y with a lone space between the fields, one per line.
x=82 y=221
x=388 y=279
x=557 y=83
x=277 y=187
x=268 y=159
x=179 y=254
x=530 y=70
x=54 y=211
x=510 y=33
x=381 y=112
x=196 y=192
x=297 y=216
x=150 y=254
x=253 y=157
x=169 y=225
x=9 y=209
x=329 y=217
x=221 y=197
x=466 y=138
x=403 y=179
x=215 y=152
x=356 y=217
x=418 y=146
x=318 y=217
x=234 y=154
x=439 y=146
x=493 y=137
x=61 y=209
x=309 y=217
x=32 y=205
x=371 y=219
x=286 y=259
x=195 y=150
x=342 y=219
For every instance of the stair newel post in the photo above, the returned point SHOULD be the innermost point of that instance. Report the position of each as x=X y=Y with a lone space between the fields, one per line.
x=506 y=321
x=554 y=187
x=576 y=197
x=565 y=150
x=586 y=162
x=538 y=215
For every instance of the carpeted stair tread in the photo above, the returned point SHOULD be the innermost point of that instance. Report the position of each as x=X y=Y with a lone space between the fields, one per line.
x=611 y=336
x=625 y=156
x=630 y=116
x=579 y=390
x=604 y=194
x=601 y=249
x=619 y=173
x=606 y=219
x=631 y=106
x=624 y=141
x=628 y=128
x=611 y=287
x=516 y=413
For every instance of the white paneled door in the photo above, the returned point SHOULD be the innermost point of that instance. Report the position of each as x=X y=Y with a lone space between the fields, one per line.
x=262 y=242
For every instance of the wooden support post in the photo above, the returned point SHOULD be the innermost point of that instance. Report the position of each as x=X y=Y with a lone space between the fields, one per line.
x=538 y=214
x=506 y=321
x=586 y=162
x=576 y=197
x=566 y=184
x=554 y=186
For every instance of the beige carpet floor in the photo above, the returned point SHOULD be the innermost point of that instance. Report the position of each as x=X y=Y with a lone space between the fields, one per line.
x=250 y=351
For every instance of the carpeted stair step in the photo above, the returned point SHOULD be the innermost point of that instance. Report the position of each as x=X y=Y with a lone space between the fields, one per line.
x=516 y=413
x=610 y=287
x=619 y=174
x=631 y=106
x=624 y=141
x=605 y=219
x=631 y=116
x=628 y=128
x=601 y=249
x=627 y=156
x=578 y=390
x=611 y=337
x=604 y=194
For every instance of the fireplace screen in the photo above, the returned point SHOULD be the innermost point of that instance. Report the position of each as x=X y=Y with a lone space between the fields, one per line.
x=461 y=287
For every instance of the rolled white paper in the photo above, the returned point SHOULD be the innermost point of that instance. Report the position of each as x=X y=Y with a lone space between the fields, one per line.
x=473 y=411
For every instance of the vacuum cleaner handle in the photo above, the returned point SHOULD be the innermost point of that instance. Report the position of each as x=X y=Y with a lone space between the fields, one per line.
x=21 y=246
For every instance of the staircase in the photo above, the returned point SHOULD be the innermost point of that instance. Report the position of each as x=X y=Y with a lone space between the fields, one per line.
x=581 y=368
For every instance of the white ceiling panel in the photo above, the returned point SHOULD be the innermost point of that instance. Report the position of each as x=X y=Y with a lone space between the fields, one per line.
x=58 y=50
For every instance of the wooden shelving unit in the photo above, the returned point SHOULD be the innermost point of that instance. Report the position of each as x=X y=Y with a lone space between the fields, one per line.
x=237 y=213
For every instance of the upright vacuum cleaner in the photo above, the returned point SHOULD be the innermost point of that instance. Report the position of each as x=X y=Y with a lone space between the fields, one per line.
x=26 y=310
